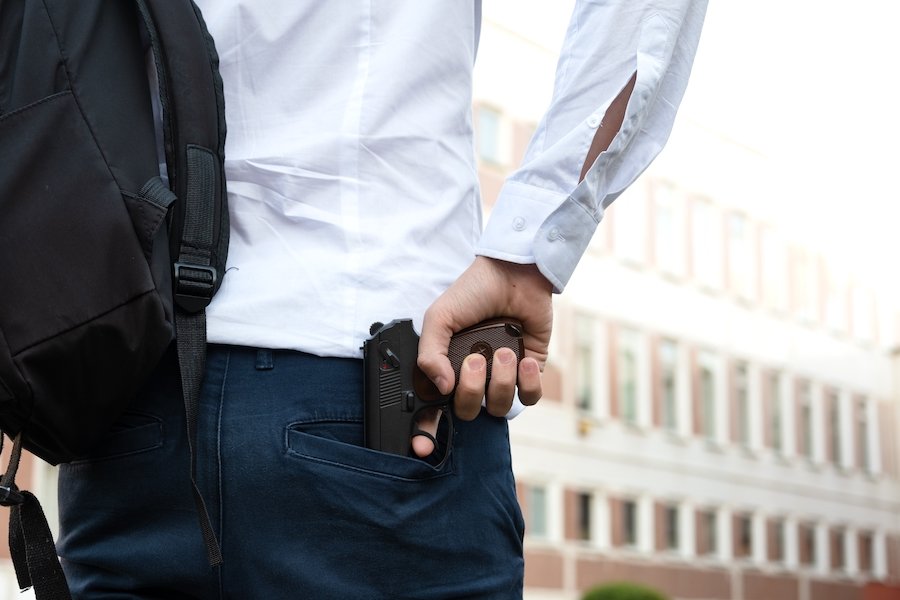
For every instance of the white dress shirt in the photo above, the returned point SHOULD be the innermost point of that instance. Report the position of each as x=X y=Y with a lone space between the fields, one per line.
x=351 y=173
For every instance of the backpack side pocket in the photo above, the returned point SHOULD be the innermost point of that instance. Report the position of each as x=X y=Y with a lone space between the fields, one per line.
x=82 y=318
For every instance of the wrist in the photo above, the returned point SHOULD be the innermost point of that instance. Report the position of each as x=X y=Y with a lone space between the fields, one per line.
x=517 y=274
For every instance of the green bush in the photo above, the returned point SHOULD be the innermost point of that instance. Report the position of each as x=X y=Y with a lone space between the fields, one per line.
x=623 y=591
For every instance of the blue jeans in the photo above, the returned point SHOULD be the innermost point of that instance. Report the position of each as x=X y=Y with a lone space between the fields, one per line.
x=301 y=510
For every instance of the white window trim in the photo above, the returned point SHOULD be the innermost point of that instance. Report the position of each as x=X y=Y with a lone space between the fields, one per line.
x=873 y=437
x=791 y=556
x=879 y=554
x=687 y=530
x=646 y=524
x=822 y=563
x=724 y=536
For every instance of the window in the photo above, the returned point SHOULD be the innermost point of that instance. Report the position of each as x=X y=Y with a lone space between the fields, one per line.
x=804 y=419
x=489 y=135
x=707 y=532
x=583 y=502
x=627 y=366
x=707 y=400
x=584 y=357
x=741 y=405
x=629 y=522
x=668 y=369
x=776 y=541
x=670 y=523
x=536 y=511
x=807 y=543
x=741 y=256
x=706 y=244
x=838 y=549
x=743 y=535
x=832 y=402
x=866 y=541
x=862 y=435
x=668 y=229
x=773 y=394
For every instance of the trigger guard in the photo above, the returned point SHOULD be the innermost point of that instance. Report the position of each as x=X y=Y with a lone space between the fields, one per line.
x=416 y=430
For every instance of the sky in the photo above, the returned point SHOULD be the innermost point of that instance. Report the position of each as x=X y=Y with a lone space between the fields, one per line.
x=811 y=88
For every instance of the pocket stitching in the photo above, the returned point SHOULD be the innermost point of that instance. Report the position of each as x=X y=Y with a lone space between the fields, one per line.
x=156 y=423
x=380 y=474
x=7 y=117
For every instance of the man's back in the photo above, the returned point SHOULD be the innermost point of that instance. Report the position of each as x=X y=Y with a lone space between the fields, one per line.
x=350 y=164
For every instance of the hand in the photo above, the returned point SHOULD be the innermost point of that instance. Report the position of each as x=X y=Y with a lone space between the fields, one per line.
x=488 y=288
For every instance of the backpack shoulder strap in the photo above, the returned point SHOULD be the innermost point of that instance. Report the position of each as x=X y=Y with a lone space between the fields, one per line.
x=192 y=104
x=194 y=137
x=31 y=546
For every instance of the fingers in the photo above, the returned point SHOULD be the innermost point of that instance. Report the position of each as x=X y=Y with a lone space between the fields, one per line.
x=502 y=386
x=529 y=381
x=470 y=391
x=432 y=359
x=506 y=377
x=427 y=421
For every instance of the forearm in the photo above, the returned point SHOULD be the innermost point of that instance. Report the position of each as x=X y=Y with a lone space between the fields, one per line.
x=621 y=77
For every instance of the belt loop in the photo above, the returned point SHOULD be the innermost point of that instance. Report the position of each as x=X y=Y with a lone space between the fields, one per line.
x=265 y=360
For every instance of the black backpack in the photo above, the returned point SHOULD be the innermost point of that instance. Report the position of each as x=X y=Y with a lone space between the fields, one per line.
x=102 y=263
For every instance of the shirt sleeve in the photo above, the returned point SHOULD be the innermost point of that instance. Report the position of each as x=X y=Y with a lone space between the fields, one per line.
x=543 y=215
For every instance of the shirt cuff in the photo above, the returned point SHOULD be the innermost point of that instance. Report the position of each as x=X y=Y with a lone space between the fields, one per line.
x=514 y=222
x=531 y=225
x=515 y=410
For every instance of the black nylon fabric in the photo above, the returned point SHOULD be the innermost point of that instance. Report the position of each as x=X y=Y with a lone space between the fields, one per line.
x=89 y=230
x=34 y=556
x=81 y=319
x=88 y=304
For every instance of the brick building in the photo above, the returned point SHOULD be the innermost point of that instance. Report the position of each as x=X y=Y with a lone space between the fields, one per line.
x=722 y=399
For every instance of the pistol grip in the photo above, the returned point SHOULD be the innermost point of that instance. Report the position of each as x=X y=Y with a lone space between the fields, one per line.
x=396 y=389
x=486 y=338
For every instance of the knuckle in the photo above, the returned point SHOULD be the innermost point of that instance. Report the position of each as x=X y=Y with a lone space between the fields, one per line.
x=501 y=387
x=530 y=397
x=499 y=410
x=466 y=411
x=468 y=389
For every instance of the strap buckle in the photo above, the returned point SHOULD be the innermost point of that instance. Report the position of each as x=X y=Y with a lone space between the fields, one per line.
x=10 y=495
x=194 y=286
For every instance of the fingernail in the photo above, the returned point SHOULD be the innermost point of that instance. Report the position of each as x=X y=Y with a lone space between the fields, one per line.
x=476 y=362
x=506 y=356
x=530 y=367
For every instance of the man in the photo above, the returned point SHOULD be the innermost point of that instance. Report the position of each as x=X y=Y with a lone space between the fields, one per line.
x=354 y=199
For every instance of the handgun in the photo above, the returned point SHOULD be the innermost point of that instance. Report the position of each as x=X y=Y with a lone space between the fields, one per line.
x=396 y=390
